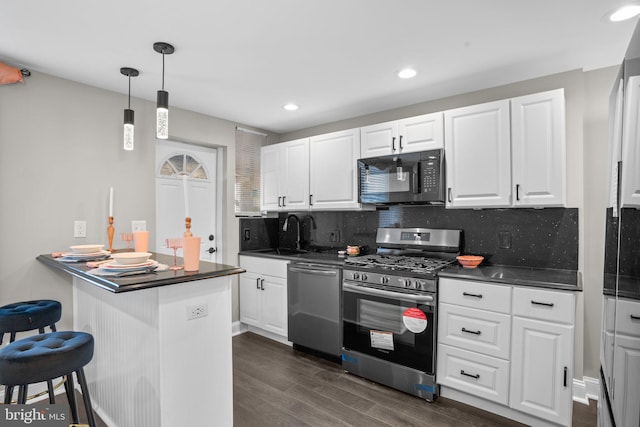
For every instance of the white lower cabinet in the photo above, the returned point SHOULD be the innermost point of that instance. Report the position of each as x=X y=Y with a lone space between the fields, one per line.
x=263 y=294
x=509 y=349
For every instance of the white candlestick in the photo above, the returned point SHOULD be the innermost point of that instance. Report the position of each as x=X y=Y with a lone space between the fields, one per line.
x=185 y=185
x=111 y=201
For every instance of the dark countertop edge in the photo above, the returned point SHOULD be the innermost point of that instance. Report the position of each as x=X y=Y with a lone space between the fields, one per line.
x=318 y=257
x=548 y=278
x=129 y=284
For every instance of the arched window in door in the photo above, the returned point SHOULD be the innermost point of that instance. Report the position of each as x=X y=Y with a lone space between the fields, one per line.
x=183 y=164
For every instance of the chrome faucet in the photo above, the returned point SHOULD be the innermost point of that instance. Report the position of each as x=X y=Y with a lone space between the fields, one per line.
x=285 y=227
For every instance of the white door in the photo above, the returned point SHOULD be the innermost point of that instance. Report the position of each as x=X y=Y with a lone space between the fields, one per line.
x=173 y=161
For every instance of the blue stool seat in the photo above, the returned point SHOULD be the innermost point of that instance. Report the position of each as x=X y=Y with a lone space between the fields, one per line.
x=44 y=357
x=27 y=316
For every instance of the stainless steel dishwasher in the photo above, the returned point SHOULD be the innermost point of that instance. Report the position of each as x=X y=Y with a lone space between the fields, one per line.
x=314 y=307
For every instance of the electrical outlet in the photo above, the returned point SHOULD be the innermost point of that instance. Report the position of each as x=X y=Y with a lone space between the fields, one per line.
x=80 y=229
x=195 y=311
x=247 y=234
x=504 y=238
x=138 y=225
x=334 y=236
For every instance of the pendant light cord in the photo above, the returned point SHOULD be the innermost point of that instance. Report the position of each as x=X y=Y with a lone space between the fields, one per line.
x=129 y=91
x=163 y=69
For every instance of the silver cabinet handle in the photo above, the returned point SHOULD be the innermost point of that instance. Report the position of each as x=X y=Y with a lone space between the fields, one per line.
x=471 y=332
x=262 y=284
x=258 y=283
x=467 y=294
x=393 y=144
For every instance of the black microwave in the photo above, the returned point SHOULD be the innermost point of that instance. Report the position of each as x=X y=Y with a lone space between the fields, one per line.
x=408 y=178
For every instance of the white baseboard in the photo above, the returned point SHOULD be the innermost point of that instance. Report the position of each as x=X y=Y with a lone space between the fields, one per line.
x=585 y=389
x=238 y=328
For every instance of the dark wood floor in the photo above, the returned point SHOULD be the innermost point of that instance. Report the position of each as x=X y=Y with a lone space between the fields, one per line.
x=275 y=385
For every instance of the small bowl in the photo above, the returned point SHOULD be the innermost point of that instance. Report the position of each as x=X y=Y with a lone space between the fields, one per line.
x=469 y=261
x=86 y=249
x=128 y=258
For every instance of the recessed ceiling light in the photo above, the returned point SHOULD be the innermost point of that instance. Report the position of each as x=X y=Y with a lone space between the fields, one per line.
x=407 y=73
x=625 y=12
x=291 y=106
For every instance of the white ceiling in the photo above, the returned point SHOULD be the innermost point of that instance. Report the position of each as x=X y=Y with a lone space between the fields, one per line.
x=242 y=60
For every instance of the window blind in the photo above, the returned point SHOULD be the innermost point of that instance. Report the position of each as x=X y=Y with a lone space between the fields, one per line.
x=247 y=188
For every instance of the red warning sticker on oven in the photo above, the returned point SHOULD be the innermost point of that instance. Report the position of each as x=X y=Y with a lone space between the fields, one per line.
x=415 y=320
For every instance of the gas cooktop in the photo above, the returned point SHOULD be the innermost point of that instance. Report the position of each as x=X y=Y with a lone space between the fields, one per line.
x=399 y=263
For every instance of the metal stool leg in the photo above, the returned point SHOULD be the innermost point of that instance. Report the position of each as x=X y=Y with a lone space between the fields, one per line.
x=85 y=396
x=71 y=397
x=52 y=396
x=22 y=393
x=8 y=394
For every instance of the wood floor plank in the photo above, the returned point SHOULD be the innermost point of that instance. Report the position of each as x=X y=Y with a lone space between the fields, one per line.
x=276 y=385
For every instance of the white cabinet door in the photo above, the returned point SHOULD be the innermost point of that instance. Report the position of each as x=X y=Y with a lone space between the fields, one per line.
x=250 y=299
x=626 y=388
x=295 y=175
x=274 y=305
x=270 y=164
x=630 y=186
x=421 y=133
x=379 y=140
x=541 y=369
x=333 y=170
x=538 y=149
x=478 y=150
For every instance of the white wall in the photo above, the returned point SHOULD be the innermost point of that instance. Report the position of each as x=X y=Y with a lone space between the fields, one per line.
x=60 y=151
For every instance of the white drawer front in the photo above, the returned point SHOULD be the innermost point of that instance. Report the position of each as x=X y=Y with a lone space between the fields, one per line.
x=478 y=295
x=628 y=314
x=477 y=330
x=482 y=376
x=264 y=266
x=550 y=306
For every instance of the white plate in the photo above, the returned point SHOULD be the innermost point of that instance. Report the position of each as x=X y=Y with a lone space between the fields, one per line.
x=116 y=266
x=87 y=255
x=131 y=258
x=86 y=249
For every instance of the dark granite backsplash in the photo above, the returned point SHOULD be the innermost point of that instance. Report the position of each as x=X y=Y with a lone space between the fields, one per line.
x=541 y=238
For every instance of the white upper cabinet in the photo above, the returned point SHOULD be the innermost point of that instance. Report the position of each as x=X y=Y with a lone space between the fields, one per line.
x=507 y=153
x=285 y=176
x=538 y=149
x=630 y=185
x=409 y=135
x=333 y=170
x=478 y=155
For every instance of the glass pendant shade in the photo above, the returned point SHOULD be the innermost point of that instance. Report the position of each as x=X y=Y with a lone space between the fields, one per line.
x=128 y=129
x=128 y=112
x=162 y=115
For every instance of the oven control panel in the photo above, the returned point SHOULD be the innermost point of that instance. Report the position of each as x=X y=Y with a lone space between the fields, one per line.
x=392 y=281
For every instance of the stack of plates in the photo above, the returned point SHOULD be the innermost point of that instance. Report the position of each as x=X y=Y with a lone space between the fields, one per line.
x=83 y=253
x=114 y=267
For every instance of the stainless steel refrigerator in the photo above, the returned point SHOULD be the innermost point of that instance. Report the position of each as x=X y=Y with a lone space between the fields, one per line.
x=619 y=402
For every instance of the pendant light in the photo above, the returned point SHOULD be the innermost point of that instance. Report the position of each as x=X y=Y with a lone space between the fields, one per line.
x=162 y=109
x=128 y=112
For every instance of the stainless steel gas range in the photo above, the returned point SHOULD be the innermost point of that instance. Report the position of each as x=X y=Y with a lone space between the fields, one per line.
x=389 y=310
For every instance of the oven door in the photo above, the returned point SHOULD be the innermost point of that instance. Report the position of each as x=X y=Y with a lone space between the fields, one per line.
x=396 y=327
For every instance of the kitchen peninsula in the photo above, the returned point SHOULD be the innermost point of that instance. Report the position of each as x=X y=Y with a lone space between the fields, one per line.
x=156 y=363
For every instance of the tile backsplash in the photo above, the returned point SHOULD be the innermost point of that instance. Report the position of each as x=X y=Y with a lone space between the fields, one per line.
x=545 y=238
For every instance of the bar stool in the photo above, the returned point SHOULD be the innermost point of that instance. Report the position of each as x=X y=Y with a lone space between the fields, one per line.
x=27 y=316
x=47 y=356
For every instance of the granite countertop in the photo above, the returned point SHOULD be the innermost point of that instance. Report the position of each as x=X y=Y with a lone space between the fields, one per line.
x=567 y=280
x=207 y=270
x=324 y=257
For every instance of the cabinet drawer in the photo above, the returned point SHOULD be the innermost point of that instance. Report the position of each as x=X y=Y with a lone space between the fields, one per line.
x=628 y=315
x=478 y=295
x=550 y=306
x=482 y=376
x=266 y=266
x=476 y=330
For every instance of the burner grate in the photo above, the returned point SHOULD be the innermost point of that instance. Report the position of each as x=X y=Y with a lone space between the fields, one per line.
x=413 y=264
